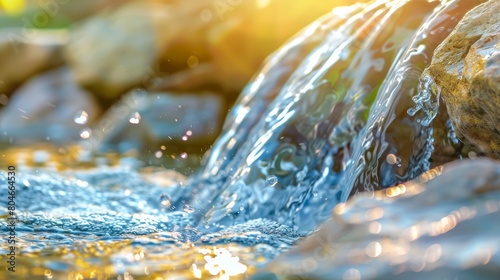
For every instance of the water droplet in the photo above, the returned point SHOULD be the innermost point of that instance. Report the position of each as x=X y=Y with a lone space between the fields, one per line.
x=81 y=117
x=135 y=119
x=393 y=159
x=184 y=155
x=85 y=133
x=165 y=200
x=271 y=181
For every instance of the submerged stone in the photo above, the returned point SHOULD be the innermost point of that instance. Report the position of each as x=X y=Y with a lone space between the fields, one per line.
x=466 y=70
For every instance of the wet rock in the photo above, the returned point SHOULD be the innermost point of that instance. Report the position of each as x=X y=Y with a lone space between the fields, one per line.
x=48 y=108
x=146 y=120
x=24 y=53
x=466 y=69
x=437 y=226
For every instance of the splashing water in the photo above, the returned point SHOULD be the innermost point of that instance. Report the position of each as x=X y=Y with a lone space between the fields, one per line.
x=347 y=100
x=337 y=110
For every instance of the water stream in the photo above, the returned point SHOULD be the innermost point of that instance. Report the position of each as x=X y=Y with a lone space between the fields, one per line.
x=339 y=109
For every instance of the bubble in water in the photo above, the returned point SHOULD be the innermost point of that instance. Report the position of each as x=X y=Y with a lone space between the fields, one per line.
x=271 y=181
x=427 y=100
x=158 y=154
x=393 y=159
x=85 y=133
x=165 y=200
x=184 y=155
x=242 y=207
x=81 y=117
x=135 y=119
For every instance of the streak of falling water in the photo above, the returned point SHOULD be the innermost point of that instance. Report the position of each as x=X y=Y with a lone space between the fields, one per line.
x=403 y=117
x=304 y=137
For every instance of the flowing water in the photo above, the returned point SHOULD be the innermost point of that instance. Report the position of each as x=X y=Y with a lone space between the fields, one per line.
x=337 y=110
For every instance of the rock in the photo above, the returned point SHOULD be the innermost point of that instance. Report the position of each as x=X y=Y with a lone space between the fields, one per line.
x=48 y=108
x=130 y=41
x=435 y=227
x=149 y=120
x=466 y=69
x=24 y=53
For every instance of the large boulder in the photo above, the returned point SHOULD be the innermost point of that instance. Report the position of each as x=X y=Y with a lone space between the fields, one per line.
x=439 y=226
x=466 y=68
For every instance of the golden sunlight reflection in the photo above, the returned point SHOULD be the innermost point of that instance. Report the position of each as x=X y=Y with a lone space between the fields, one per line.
x=221 y=262
x=13 y=7
x=395 y=191
x=444 y=225
x=431 y=174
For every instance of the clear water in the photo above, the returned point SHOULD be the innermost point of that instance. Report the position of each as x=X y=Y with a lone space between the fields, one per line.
x=326 y=117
